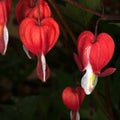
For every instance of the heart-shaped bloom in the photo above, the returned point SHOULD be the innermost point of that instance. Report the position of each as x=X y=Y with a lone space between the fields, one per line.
x=5 y=8
x=29 y=8
x=73 y=99
x=39 y=39
x=44 y=10
x=94 y=53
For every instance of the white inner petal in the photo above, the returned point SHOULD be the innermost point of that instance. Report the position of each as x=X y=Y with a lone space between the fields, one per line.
x=27 y=53
x=89 y=80
x=5 y=37
x=43 y=61
x=77 y=115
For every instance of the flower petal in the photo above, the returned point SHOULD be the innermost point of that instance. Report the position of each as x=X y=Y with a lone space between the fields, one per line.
x=43 y=71
x=107 y=72
x=28 y=53
x=43 y=67
x=74 y=115
x=3 y=39
x=85 y=41
x=101 y=52
x=71 y=98
x=89 y=80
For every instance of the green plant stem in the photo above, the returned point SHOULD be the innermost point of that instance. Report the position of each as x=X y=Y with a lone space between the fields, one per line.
x=103 y=108
x=77 y=4
x=56 y=8
x=103 y=16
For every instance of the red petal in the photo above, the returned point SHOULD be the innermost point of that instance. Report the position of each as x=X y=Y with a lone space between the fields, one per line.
x=44 y=11
x=2 y=45
x=39 y=39
x=39 y=71
x=107 y=72
x=85 y=40
x=73 y=98
x=29 y=8
x=51 y=31
x=3 y=13
x=81 y=94
x=101 y=52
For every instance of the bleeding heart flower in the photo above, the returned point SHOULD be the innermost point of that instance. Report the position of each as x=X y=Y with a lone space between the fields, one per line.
x=44 y=10
x=93 y=55
x=39 y=39
x=29 y=8
x=73 y=99
x=4 y=12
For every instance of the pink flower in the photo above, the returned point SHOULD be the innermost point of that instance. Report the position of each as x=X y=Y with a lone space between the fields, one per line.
x=94 y=53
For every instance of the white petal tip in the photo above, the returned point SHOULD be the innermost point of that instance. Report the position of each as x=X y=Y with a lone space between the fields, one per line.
x=6 y=34
x=43 y=61
x=74 y=115
x=27 y=53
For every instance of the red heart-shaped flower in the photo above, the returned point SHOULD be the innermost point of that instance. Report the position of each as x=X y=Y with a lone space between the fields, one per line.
x=44 y=11
x=29 y=8
x=96 y=51
x=39 y=39
x=73 y=98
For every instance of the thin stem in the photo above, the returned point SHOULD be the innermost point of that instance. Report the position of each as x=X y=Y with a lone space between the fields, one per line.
x=103 y=16
x=77 y=4
x=56 y=8
x=96 y=28
x=38 y=3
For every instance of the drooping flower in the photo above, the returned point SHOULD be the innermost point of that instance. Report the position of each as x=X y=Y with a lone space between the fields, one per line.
x=72 y=99
x=29 y=8
x=5 y=8
x=94 y=53
x=39 y=40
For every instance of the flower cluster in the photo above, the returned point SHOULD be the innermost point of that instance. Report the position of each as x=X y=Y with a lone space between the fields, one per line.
x=94 y=53
x=38 y=32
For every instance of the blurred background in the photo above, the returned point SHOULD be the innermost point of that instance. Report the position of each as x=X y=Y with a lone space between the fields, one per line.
x=24 y=97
